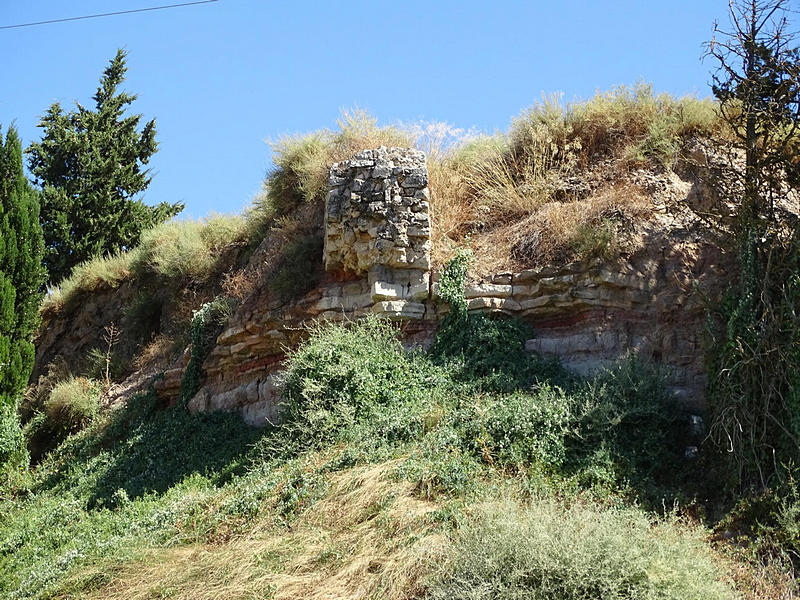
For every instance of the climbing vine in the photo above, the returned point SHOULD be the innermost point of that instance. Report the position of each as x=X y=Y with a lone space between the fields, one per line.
x=203 y=331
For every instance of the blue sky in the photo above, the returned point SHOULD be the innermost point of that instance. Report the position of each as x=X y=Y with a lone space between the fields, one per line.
x=222 y=78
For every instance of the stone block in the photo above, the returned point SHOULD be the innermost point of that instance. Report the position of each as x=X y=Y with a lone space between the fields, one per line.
x=399 y=309
x=381 y=290
x=478 y=290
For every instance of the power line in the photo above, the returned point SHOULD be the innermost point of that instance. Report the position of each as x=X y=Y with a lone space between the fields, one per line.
x=110 y=14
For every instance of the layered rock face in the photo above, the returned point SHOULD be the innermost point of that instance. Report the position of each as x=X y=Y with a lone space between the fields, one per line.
x=377 y=254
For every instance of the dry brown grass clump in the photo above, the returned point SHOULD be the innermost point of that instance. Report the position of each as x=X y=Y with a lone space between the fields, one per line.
x=180 y=251
x=370 y=537
x=155 y=353
x=532 y=196
x=302 y=162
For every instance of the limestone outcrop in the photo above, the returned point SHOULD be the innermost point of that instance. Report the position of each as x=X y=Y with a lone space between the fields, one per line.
x=377 y=255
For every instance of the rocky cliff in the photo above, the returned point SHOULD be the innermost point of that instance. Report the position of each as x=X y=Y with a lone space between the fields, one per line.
x=377 y=243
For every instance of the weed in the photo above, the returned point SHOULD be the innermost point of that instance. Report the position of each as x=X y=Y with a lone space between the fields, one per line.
x=206 y=325
x=73 y=404
x=547 y=551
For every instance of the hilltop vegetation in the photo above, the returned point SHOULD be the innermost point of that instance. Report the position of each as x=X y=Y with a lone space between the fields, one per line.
x=491 y=190
x=389 y=474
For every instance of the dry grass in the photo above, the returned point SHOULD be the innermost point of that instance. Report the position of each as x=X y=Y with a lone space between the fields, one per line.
x=600 y=226
x=761 y=582
x=302 y=162
x=513 y=198
x=174 y=250
x=482 y=187
x=156 y=353
x=73 y=403
x=370 y=537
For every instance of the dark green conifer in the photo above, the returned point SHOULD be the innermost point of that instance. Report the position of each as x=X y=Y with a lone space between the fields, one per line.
x=21 y=278
x=91 y=166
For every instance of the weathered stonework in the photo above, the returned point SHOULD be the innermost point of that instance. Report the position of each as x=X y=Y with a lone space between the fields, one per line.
x=377 y=222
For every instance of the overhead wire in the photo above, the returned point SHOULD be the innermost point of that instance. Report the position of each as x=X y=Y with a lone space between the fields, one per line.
x=108 y=14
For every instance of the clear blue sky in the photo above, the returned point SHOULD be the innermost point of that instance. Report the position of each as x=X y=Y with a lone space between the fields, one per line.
x=221 y=78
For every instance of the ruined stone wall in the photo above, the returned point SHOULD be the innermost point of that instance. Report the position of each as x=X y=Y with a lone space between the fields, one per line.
x=377 y=222
x=377 y=255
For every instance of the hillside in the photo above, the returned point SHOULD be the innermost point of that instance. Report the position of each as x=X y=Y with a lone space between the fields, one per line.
x=422 y=365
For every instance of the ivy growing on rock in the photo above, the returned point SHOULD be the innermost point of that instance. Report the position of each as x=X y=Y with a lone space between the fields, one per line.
x=203 y=331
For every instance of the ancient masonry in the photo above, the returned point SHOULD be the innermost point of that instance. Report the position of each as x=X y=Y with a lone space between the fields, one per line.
x=377 y=222
x=377 y=255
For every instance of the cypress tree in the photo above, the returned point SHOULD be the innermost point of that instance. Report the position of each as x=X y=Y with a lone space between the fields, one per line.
x=90 y=165
x=21 y=278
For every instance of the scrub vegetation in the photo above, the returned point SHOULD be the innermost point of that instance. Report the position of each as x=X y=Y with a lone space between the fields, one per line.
x=472 y=469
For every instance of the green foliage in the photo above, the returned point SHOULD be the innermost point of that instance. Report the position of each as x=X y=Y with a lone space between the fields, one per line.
x=595 y=240
x=13 y=453
x=452 y=279
x=770 y=521
x=141 y=476
x=481 y=347
x=347 y=374
x=545 y=551
x=517 y=429
x=90 y=165
x=21 y=274
x=627 y=428
x=21 y=278
x=72 y=404
x=206 y=324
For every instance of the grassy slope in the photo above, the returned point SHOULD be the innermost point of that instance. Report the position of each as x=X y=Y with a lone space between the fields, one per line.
x=391 y=472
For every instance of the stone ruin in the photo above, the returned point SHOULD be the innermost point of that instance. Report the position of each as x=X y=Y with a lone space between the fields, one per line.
x=377 y=222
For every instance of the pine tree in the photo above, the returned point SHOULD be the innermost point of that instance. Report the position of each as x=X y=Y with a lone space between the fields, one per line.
x=91 y=166
x=21 y=278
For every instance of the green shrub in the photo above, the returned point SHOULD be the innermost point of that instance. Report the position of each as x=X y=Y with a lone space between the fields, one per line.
x=770 y=521
x=518 y=429
x=546 y=552
x=595 y=240
x=344 y=373
x=207 y=323
x=13 y=453
x=487 y=350
x=625 y=418
x=188 y=249
x=73 y=404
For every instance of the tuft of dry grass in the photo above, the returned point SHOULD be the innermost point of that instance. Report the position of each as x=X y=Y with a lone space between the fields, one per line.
x=173 y=250
x=157 y=352
x=513 y=198
x=600 y=226
x=302 y=162
x=73 y=403
x=369 y=537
